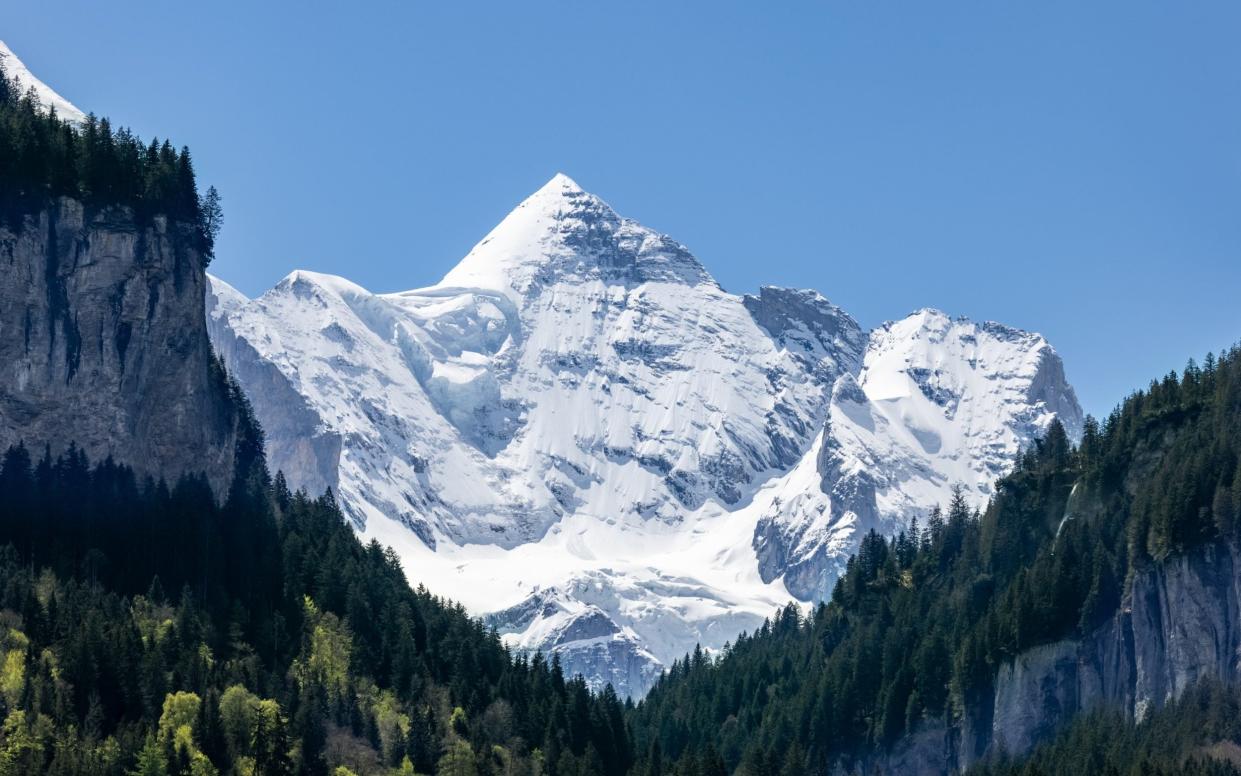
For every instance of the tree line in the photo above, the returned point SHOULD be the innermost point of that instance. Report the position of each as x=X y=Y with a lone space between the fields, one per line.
x=43 y=156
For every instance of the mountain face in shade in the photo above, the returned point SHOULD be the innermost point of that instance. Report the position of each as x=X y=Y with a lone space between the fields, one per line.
x=106 y=347
x=578 y=431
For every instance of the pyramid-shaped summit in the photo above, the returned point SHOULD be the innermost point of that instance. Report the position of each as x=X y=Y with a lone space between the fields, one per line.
x=562 y=231
x=561 y=184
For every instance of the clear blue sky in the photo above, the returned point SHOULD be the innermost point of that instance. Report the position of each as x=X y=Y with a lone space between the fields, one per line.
x=1068 y=167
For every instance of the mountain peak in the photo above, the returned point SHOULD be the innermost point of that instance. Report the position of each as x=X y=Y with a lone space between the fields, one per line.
x=562 y=232
x=559 y=199
x=938 y=324
x=947 y=359
x=561 y=184
x=16 y=70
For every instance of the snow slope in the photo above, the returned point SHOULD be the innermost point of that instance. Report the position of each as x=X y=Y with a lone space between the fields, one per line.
x=14 y=68
x=579 y=432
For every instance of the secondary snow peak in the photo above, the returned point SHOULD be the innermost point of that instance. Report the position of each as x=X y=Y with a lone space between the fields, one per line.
x=15 y=69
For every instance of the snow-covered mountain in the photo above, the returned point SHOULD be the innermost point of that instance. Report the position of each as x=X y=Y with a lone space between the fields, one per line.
x=580 y=433
x=938 y=402
x=15 y=69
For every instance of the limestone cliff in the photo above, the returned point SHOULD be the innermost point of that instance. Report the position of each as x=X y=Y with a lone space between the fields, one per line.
x=104 y=343
x=1180 y=623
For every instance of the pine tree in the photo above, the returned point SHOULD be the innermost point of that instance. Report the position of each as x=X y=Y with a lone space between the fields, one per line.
x=212 y=219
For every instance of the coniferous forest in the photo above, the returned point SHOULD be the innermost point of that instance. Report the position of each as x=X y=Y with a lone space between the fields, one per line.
x=919 y=624
x=42 y=157
x=150 y=628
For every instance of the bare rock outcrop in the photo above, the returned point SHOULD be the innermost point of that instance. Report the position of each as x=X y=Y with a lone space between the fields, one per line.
x=104 y=341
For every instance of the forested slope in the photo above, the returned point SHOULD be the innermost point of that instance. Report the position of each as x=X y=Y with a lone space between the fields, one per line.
x=148 y=629
x=918 y=629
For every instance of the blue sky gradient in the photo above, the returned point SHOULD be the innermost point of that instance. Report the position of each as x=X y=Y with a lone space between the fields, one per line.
x=1072 y=168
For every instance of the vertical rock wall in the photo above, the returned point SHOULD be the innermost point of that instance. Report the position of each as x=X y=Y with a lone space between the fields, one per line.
x=1179 y=624
x=103 y=343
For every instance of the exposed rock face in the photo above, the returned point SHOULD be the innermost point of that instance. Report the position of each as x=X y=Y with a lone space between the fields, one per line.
x=1179 y=624
x=104 y=343
x=820 y=336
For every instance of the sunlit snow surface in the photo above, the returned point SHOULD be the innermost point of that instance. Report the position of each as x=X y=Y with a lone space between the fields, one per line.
x=15 y=69
x=579 y=432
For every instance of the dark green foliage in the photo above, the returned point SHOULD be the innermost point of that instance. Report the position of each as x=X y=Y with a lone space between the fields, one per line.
x=1199 y=735
x=43 y=157
x=918 y=625
x=274 y=587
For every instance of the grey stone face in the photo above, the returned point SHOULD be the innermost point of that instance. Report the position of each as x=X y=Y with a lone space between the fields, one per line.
x=104 y=344
x=1179 y=624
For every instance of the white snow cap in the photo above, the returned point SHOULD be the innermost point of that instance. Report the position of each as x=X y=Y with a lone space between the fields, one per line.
x=561 y=184
x=15 y=69
x=561 y=232
x=525 y=241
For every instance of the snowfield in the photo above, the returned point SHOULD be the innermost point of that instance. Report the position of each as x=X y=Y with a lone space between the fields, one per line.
x=579 y=434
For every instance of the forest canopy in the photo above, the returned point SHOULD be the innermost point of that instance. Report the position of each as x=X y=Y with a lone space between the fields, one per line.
x=43 y=157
